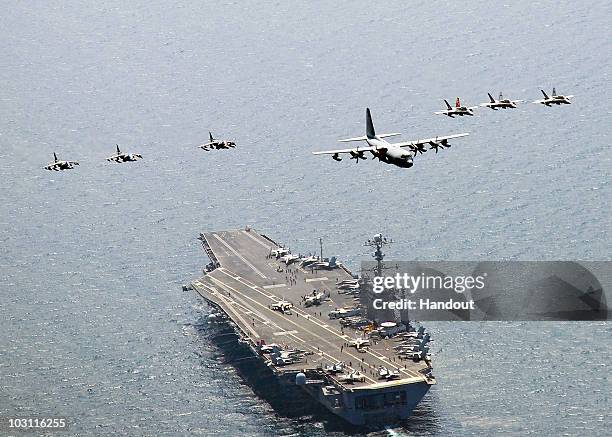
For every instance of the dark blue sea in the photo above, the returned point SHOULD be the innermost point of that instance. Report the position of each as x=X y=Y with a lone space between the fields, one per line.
x=94 y=324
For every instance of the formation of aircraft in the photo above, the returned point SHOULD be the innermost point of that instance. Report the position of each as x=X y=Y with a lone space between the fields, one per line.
x=389 y=153
x=214 y=144
x=554 y=99
x=500 y=103
x=123 y=157
x=57 y=165
x=459 y=110
x=400 y=154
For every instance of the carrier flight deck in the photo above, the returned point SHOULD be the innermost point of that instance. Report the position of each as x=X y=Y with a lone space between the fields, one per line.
x=248 y=285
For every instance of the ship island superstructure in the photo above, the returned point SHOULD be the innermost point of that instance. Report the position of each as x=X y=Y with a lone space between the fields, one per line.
x=294 y=318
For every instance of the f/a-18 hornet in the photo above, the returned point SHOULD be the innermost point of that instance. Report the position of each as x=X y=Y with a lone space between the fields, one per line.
x=58 y=165
x=124 y=157
x=217 y=144
x=554 y=99
x=459 y=110
x=389 y=153
x=500 y=103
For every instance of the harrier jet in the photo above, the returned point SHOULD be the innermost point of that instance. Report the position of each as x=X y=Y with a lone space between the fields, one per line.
x=554 y=99
x=217 y=144
x=58 y=165
x=123 y=157
x=500 y=103
x=389 y=153
x=458 y=110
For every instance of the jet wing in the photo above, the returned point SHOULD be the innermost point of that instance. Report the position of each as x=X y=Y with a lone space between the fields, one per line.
x=356 y=149
x=429 y=140
x=443 y=112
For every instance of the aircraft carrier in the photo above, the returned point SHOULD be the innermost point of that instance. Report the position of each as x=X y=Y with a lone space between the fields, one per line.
x=303 y=345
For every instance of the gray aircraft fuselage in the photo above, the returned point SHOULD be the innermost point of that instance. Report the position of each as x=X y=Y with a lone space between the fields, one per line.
x=389 y=153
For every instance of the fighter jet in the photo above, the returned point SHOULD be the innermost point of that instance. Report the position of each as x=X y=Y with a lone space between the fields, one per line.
x=351 y=378
x=282 y=306
x=269 y=348
x=58 y=165
x=335 y=368
x=500 y=103
x=384 y=373
x=281 y=251
x=123 y=157
x=217 y=144
x=289 y=258
x=554 y=99
x=359 y=343
x=315 y=298
x=389 y=153
x=305 y=262
x=458 y=110
x=324 y=265
x=348 y=286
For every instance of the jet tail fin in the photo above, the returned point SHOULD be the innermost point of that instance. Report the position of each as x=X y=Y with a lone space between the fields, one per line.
x=54 y=156
x=545 y=96
x=491 y=97
x=370 y=132
x=457 y=102
x=118 y=152
x=210 y=136
x=448 y=105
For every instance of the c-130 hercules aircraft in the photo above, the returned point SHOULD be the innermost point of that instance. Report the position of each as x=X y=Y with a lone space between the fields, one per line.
x=389 y=153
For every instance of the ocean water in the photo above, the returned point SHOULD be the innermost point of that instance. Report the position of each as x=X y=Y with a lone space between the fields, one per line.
x=94 y=324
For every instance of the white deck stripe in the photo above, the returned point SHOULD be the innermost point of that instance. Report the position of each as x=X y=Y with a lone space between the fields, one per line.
x=414 y=375
x=257 y=240
x=240 y=256
x=324 y=278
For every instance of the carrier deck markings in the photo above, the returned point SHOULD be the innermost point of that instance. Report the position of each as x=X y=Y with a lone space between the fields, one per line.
x=316 y=322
